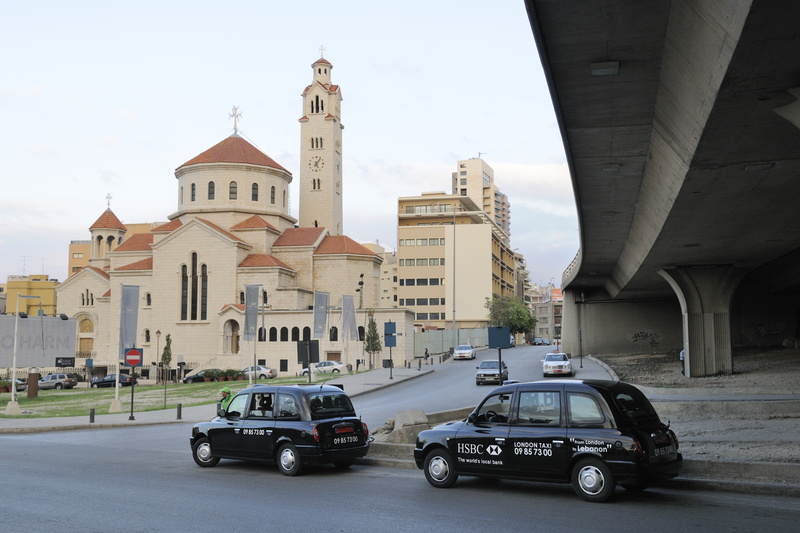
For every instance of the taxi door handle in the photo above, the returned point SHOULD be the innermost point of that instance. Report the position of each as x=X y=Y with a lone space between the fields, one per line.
x=236 y=430
x=500 y=440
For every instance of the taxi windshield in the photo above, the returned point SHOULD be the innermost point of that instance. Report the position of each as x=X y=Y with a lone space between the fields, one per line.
x=330 y=405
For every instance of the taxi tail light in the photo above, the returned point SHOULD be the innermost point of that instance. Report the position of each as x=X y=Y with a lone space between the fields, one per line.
x=674 y=438
x=636 y=446
x=366 y=429
x=316 y=434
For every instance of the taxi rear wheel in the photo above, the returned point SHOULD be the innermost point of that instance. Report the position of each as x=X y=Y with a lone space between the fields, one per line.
x=289 y=462
x=439 y=469
x=592 y=480
x=201 y=451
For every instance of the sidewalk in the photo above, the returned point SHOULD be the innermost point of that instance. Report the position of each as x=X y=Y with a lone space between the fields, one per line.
x=353 y=385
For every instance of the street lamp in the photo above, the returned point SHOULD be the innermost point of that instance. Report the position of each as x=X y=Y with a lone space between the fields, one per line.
x=360 y=291
x=12 y=408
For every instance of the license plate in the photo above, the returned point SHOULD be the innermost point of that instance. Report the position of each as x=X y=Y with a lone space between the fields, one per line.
x=664 y=450
x=344 y=441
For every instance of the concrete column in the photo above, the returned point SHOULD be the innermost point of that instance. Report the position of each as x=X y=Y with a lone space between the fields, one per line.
x=705 y=295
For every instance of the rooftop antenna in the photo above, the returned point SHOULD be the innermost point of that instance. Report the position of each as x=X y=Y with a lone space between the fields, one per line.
x=235 y=115
x=24 y=264
x=481 y=153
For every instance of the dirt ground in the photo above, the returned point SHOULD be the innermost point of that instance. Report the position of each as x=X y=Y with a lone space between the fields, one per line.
x=737 y=431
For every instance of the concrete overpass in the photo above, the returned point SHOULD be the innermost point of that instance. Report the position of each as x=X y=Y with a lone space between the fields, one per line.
x=680 y=121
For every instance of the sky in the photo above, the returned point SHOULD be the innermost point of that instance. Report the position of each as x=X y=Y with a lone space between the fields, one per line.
x=109 y=97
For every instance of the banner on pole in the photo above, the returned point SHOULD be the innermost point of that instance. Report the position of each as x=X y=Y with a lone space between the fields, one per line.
x=251 y=297
x=320 y=314
x=349 y=318
x=128 y=317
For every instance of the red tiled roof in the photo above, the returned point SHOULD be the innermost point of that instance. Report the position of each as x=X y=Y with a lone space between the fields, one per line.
x=234 y=149
x=240 y=307
x=299 y=237
x=144 y=264
x=137 y=243
x=107 y=294
x=262 y=260
x=254 y=222
x=341 y=244
x=93 y=269
x=108 y=220
x=172 y=225
x=321 y=60
x=226 y=233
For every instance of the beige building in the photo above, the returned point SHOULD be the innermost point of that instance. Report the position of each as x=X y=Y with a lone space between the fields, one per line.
x=387 y=287
x=451 y=257
x=38 y=285
x=232 y=228
x=474 y=178
x=548 y=313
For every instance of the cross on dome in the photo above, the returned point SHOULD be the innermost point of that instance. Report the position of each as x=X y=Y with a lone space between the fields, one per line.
x=235 y=115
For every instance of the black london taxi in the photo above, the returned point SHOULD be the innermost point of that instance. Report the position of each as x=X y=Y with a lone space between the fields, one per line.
x=591 y=433
x=290 y=425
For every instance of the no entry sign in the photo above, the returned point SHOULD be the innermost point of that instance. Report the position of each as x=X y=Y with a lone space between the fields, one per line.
x=133 y=357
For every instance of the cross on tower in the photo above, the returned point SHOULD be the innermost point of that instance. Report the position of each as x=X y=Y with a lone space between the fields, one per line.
x=322 y=51
x=108 y=200
x=235 y=115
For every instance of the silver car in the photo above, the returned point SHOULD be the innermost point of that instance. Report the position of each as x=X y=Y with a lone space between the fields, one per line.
x=464 y=351
x=557 y=364
x=259 y=372
x=489 y=372
x=326 y=367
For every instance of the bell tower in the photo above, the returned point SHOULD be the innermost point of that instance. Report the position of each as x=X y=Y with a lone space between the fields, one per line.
x=321 y=152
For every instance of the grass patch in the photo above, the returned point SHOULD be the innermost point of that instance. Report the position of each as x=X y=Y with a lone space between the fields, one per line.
x=79 y=401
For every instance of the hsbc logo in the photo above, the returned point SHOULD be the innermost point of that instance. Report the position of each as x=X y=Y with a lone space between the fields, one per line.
x=494 y=449
x=467 y=448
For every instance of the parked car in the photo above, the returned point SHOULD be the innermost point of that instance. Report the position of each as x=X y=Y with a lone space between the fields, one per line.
x=21 y=385
x=557 y=364
x=57 y=381
x=464 y=351
x=199 y=377
x=109 y=381
x=325 y=367
x=537 y=341
x=513 y=341
x=260 y=372
x=591 y=433
x=289 y=425
x=489 y=372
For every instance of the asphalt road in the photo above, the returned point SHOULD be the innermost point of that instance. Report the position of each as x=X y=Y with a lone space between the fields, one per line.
x=452 y=384
x=143 y=479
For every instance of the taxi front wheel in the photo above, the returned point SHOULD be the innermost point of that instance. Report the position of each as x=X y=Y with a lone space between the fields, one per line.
x=439 y=469
x=592 y=480
x=289 y=460
x=201 y=451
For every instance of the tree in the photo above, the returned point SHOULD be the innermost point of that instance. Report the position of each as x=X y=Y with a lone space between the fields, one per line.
x=166 y=357
x=372 y=342
x=511 y=312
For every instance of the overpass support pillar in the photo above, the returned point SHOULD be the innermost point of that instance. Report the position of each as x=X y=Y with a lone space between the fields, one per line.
x=705 y=295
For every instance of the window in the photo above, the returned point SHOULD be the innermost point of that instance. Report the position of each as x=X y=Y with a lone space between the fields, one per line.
x=433 y=301
x=334 y=334
x=433 y=261
x=539 y=409
x=295 y=334
x=262 y=334
x=433 y=242
x=422 y=242
x=211 y=190
x=495 y=409
x=463 y=180
x=233 y=191
x=193 y=191
x=422 y=282
x=433 y=281
x=422 y=316
x=273 y=334
x=77 y=255
x=409 y=301
x=422 y=301
x=272 y=195
x=147 y=335
x=583 y=411
x=437 y=316
x=148 y=301
x=254 y=193
x=410 y=282
x=441 y=243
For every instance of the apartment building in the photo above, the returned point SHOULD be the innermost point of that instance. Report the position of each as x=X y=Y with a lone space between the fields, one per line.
x=474 y=178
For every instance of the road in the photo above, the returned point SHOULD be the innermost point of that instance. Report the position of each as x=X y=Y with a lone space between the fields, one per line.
x=143 y=479
x=452 y=384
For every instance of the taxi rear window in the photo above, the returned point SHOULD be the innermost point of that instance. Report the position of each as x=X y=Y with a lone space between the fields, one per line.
x=330 y=405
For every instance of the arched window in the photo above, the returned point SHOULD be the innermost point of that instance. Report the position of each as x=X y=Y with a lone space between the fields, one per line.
x=334 y=336
x=273 y=334
x=211 y=190
x=284 y=334
x=194 y=191
x=180 y=196
x=272 y=195
x=148 y=300
x=233 y=191
x=254 y=192
x=361 y=333
x=147 y=335
x=264 y=298
x=306 y=333
x=194 y=289
x=241 y=297
x=295 y=334
x=284 y=198
x=262 y=334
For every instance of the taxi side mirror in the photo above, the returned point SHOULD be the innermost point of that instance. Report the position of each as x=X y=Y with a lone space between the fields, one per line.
x=471 y=418
x=221 y=413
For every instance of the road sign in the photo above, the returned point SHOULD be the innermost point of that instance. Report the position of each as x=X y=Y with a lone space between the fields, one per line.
x=133 y=357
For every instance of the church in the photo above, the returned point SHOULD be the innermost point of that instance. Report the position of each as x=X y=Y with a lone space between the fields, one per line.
x=233 y=228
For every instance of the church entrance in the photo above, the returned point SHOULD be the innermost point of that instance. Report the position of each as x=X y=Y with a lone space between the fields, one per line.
x=231 y=337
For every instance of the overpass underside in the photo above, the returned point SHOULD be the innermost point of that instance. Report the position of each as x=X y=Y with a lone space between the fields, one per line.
x=680 y=124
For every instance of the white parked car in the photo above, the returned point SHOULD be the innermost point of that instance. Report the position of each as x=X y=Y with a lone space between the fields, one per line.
x=259 y=372
x=557 y=364
x=326 y=367
x=464 y=351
